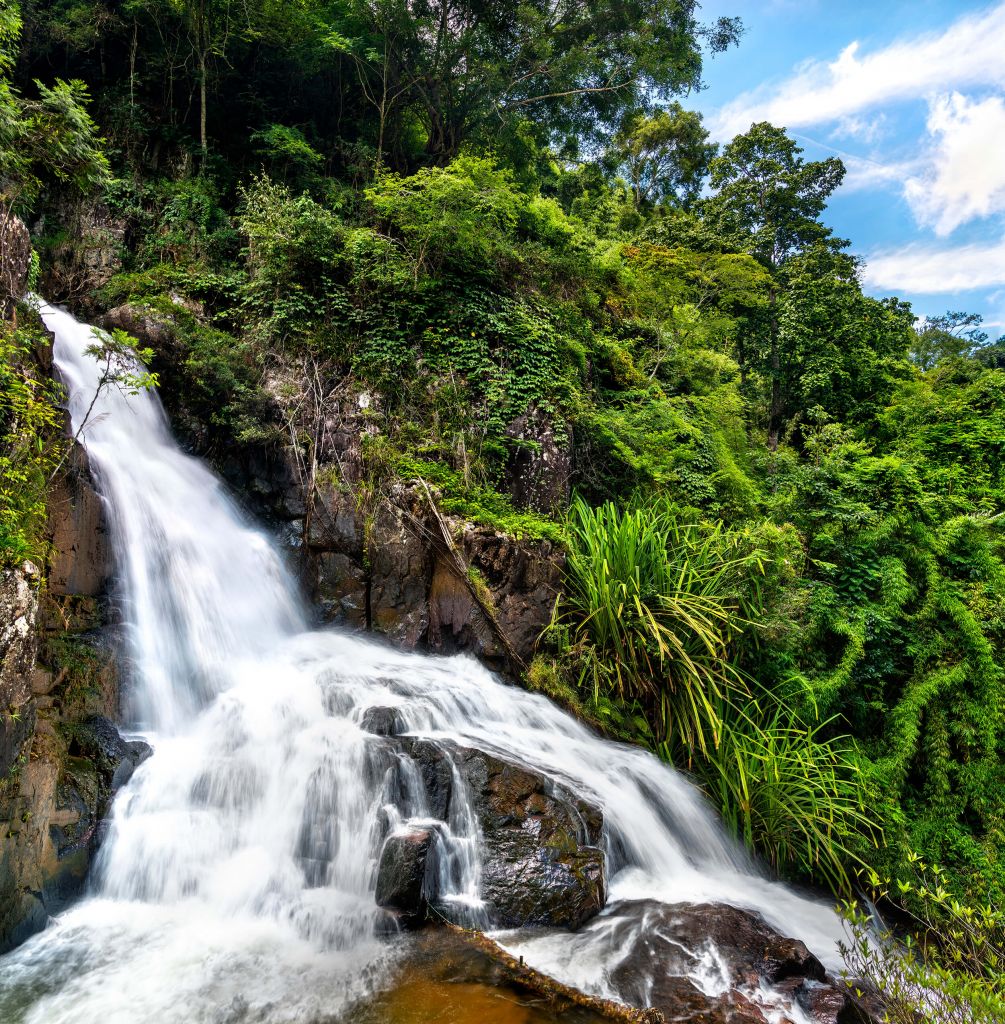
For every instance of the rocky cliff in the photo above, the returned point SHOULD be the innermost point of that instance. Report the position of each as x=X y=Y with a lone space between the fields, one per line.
x=374 y=555
x=61 y=758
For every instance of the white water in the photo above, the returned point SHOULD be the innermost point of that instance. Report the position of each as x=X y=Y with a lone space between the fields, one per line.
x=236 y=884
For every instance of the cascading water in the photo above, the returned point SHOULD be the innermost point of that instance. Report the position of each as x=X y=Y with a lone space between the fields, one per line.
x=237 y=881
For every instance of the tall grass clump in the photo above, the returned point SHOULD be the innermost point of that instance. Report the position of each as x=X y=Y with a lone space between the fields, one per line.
x=654 y=607
x=790 y=791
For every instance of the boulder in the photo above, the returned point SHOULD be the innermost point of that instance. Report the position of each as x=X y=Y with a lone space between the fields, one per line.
x=114 y=758
x=712 y=962
x=406 y=862
x=540 y=862
x=382 y=721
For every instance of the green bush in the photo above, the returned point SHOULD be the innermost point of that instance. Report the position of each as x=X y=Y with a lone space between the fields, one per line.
x=947 y=966
x=655 y=602
x=31 y=443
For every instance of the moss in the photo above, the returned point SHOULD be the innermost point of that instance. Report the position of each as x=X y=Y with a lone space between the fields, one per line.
x=478 y=503
x=85 y=670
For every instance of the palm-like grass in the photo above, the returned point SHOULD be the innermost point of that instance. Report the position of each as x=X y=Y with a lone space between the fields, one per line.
x=653 y=605
x=790 y=791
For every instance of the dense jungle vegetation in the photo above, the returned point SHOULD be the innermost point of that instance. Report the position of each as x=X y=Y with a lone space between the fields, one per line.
x=784 y=533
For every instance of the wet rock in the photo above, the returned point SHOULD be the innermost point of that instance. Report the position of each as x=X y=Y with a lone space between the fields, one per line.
x=405 y=863
x=710 y=962
x=538 y=862
x=538 y=867
x=81 y=560
x=115 y=759
x=827 y=1004
x=382 y=721
x=340 y=590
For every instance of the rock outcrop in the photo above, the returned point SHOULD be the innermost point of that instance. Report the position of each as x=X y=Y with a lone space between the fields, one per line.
x=61 y=758
x=721 y=965
x=541 y=863
x=15 y=261
x=377 y=559
x=90 y=243
x=389 y=570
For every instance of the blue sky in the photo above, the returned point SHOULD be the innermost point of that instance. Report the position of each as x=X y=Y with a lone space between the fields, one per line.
x=911 y=94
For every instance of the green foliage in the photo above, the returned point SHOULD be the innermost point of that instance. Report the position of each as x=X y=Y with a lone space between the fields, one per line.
x=47 y=138
x=407 y=204
x=31 y=444
x=653 y=612
x=791 y=791
x=654 y=606
x=949 y=967
x=663 y=155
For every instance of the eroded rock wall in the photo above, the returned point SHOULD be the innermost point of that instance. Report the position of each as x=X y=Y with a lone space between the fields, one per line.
x=60 y=688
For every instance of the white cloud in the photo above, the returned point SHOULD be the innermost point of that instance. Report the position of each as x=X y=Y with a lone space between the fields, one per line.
x=934 y=269
x=862 y=129
x=966 y=54
x=966 y=178
x=863 y=173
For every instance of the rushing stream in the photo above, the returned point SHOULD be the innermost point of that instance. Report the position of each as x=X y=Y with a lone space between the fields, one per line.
x=237 y=881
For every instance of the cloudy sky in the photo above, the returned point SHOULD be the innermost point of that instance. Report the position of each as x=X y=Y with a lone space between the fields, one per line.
x=911 y=95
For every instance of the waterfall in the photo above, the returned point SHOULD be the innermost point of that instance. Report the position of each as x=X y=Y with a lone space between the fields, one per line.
x=237 y=879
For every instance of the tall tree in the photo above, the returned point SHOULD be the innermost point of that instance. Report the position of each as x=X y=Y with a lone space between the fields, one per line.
x=664 y=155
x=469 y=65
x=768 y=201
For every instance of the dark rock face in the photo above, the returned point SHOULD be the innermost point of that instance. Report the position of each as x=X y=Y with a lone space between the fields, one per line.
x=540 y=470
x=540 y=861
x=539 y=867
x=382 y=721
x=671 y=945
x=15 y=261
x=384 y=570
x=114 y=758
x=404 y=874
x=89 y=251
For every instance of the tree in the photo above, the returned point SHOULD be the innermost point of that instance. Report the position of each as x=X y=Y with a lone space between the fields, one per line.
x=466 y=66
x=50 y=137
x=768 y=198
x=956 y=335
x=768 y=202
x=664 y=155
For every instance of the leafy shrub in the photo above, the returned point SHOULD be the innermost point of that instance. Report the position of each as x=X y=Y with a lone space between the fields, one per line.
x=949 y=967
x=31 y=444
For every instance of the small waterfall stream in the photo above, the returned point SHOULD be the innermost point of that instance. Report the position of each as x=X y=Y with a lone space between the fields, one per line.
x=237 y=880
